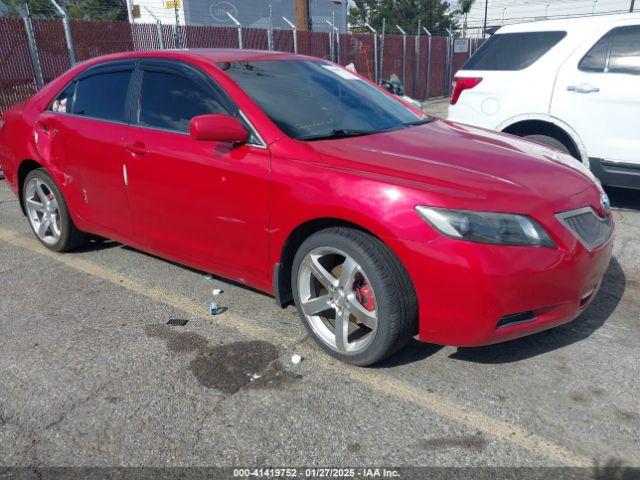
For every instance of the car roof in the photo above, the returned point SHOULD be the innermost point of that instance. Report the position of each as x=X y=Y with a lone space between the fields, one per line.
x=570 y=24
x=213 y=55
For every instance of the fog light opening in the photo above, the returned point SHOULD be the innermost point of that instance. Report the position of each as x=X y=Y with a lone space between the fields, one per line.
x=516 y=319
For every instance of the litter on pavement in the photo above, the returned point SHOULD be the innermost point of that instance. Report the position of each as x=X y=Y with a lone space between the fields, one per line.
x=177 y=321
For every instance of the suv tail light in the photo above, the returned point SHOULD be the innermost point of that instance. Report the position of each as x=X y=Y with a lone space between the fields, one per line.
x=460 y=84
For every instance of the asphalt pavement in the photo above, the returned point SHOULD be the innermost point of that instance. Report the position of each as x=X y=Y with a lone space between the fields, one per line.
x=91 y=375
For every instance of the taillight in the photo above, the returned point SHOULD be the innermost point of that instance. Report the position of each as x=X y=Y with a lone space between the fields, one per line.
x=460 y=84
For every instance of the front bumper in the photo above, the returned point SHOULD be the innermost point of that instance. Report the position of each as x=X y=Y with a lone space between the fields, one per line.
x=465 y=289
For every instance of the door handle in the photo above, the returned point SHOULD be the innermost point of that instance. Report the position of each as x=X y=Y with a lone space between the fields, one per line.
x=584 y=88
x=136 y=148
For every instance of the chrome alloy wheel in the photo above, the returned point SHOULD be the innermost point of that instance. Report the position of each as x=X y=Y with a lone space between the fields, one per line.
x=337 y=300
x=43 y=211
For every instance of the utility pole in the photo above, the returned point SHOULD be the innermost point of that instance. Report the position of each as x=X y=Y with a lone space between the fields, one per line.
x=303 y=22
x=486 y=8
x=633 y=2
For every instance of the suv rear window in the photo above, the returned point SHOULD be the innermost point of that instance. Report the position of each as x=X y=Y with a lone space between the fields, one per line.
x=513 y=51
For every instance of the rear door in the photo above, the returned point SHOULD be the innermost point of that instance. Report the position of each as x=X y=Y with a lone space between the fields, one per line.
x=202 y=203
x=86 y=124
x=598 y=93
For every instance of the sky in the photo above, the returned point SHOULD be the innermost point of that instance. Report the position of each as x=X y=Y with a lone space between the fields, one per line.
x=517 y=11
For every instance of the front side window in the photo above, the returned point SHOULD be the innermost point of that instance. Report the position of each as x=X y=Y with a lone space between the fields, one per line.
x=103 y=96
x=169 y=101
x=617 y=52
x=625 y=51
x=513 y=51
x=311 y=100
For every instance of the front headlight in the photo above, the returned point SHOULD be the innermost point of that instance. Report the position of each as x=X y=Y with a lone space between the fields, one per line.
x=486 y=227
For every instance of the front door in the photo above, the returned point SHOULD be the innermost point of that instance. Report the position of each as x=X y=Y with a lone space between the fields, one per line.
x=597 y=93
x=202 y=203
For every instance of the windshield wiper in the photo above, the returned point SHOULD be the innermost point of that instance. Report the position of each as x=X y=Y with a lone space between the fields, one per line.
x=417 y=122
x=338 y=133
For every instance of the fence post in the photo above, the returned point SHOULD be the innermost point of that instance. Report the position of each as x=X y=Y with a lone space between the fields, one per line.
x=428 y=62
x=33 y=49
x=404 y=56
x=160 y=34
x=176 y=28
x=270 y=31
x=416 y=69
x=158 y=27
x=239 y=27
x=295 y=34
x=449 y=68
x=67 y=31
x=375 y=52
x=384 y=26
x=331 y=47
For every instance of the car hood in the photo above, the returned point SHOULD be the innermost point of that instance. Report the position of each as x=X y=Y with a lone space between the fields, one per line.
x=460 y=160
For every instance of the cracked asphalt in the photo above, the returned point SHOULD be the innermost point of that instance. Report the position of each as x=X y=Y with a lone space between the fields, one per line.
x=91 y=375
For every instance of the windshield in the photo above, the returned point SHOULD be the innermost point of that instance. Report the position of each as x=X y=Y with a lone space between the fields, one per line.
x=312 y=100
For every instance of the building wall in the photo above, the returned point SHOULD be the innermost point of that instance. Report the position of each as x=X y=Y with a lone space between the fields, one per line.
x=250 y=13
x=150 y=10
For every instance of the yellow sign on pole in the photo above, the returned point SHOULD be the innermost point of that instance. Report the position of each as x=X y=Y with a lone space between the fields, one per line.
x=173 y=4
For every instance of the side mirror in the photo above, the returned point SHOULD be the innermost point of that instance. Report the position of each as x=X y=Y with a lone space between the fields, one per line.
x=217 y=128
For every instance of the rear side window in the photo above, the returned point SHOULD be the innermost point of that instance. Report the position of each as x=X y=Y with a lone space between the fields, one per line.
x=169 y=101
x=102 y=96
x=625 y=51
x=513 y=51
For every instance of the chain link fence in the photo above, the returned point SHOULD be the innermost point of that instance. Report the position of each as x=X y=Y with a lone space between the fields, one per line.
x=31 y=49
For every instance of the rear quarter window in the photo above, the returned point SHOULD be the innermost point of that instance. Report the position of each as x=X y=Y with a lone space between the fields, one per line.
x=513 y=51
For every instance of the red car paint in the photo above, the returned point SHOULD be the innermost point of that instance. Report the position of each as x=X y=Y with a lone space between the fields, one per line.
x=231 y=210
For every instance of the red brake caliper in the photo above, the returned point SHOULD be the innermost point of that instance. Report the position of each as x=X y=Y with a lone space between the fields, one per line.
x=364 y=295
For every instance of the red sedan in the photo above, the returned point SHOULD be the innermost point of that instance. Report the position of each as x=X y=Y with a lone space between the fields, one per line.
x=299 y=178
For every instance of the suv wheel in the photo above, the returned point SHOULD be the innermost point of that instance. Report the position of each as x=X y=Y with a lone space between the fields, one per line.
x=550 y=142
x=353 y=295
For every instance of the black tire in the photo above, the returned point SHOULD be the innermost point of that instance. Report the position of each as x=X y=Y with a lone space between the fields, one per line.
x=70 y=236
x=397 y=306
x=550 y=142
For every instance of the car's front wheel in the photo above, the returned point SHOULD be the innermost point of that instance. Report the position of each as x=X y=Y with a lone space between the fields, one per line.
x=48 y=214
x=353 y=295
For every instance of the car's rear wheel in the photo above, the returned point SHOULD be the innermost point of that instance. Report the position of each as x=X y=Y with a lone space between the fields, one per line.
x=48 y=214
x=353 y=295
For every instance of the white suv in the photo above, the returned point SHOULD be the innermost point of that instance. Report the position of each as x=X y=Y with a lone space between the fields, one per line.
x=570 y=84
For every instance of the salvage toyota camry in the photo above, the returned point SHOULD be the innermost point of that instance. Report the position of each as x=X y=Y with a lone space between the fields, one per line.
x=299 y=178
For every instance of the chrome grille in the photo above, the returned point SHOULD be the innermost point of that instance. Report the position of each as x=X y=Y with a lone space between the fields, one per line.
x=590 y=229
